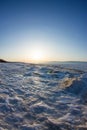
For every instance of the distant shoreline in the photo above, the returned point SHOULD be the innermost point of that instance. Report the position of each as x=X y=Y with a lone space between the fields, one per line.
x=2 y=61
x=45 y=62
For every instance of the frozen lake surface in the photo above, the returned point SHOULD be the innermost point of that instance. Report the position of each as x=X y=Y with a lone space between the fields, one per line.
x=43 y=97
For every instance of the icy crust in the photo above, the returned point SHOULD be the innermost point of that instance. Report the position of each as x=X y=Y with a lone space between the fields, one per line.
x=42 y=97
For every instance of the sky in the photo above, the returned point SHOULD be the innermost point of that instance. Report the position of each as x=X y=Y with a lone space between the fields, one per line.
x=44 y=30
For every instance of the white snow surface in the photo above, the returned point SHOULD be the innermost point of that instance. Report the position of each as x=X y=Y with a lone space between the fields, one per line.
x=43 y=97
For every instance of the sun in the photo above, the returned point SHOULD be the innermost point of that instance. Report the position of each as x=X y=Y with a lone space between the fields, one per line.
x=37 y=56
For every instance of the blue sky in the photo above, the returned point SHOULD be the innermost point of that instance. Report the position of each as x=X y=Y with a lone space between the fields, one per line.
x=55 y=28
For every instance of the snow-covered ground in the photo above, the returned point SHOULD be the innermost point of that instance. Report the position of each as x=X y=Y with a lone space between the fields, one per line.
x=43 y=97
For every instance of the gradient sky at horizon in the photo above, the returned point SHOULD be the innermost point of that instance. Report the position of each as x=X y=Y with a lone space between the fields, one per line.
x=58 y=28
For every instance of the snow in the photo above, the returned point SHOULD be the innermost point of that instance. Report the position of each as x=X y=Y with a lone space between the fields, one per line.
x=43 y=97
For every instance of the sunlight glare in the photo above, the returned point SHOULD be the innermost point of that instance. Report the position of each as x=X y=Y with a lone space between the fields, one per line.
x=37 y=55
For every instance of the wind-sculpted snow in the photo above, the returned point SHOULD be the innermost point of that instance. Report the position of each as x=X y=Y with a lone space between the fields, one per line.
x=42 y=97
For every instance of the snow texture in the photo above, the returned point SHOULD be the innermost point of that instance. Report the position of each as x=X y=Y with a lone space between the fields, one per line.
x=43 y=97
